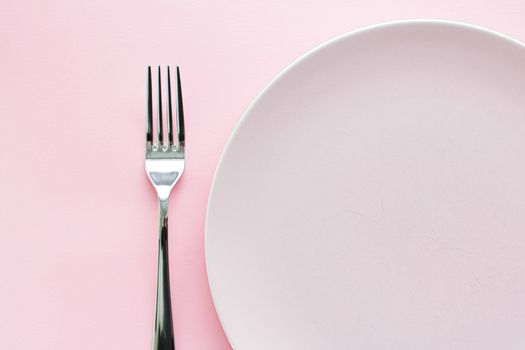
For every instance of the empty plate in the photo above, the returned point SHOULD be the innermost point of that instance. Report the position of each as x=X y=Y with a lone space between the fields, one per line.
x=373 y=197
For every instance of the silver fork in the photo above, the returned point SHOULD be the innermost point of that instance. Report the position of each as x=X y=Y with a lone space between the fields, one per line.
x=164 y=166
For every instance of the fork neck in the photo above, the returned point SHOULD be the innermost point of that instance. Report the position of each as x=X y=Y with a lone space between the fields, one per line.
x=163 y=208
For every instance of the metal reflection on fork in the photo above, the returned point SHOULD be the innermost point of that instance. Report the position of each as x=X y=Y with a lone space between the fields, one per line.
x=164 y=166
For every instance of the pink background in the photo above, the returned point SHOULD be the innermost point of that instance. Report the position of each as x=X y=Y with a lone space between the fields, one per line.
x=77 y=214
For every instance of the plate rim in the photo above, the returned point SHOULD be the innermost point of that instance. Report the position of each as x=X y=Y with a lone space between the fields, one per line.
x=296 y=62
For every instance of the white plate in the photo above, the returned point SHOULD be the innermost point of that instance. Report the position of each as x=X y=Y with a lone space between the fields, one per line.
x=373 y=197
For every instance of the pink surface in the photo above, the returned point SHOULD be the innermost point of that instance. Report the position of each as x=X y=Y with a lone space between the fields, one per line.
x=77 y=214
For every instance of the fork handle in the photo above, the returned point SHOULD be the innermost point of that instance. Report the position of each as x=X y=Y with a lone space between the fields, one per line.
x=163 y=328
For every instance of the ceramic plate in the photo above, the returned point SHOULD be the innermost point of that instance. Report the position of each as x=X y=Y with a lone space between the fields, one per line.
x=373 y=197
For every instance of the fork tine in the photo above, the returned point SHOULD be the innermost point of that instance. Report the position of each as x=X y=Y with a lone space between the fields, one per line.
x=169 y=110
x=149 y=118
x=160 y=131
x=180 y=113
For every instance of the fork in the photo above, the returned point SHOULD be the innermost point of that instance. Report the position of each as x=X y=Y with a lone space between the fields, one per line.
x=164 y=167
